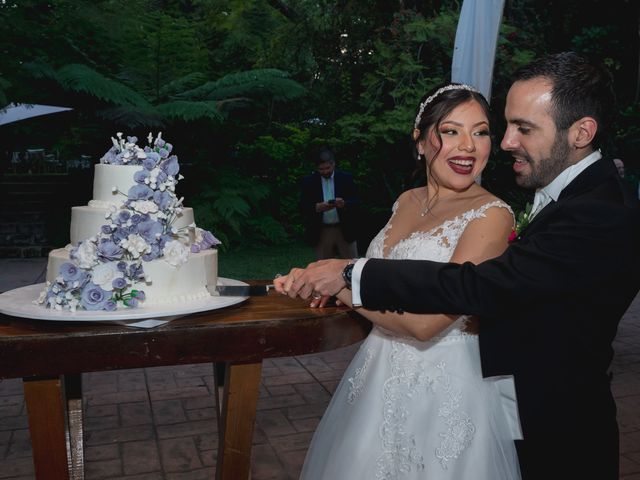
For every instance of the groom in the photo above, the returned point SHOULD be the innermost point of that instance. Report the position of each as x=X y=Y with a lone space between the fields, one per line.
x=550 y=305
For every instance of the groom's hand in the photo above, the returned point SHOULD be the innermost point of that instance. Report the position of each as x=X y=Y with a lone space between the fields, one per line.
x=319 y=278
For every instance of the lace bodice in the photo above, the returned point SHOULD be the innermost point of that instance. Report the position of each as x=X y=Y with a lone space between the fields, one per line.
x=437 y=244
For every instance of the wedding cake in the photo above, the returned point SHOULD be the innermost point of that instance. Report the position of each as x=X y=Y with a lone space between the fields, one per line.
x=134 y=241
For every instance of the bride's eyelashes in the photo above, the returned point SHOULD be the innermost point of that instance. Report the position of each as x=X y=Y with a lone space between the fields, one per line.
x=452 y=131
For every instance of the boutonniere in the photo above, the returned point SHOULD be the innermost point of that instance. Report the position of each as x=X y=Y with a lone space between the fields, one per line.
x=522 y=220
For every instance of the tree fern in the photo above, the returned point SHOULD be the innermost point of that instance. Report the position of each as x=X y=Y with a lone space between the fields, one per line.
x=276 y=84
x=80 y=78
x=187 y=111
x=40 y=70
x=179 y=85
x=132 y=117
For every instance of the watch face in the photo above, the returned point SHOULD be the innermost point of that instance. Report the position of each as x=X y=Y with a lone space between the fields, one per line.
x=346 y=274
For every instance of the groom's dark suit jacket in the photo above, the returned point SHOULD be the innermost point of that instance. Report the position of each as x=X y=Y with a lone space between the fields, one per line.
x=549 y=308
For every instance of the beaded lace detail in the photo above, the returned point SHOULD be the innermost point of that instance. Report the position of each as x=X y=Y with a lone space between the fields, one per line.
x=357 y=381
x=460 y=428
x=409 y=374
x=408 y=377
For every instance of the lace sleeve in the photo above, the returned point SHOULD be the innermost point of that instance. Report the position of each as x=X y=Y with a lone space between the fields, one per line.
x=481 y=211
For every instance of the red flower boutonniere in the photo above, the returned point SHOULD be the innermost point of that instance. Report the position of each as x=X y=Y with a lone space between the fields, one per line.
x=522 y=220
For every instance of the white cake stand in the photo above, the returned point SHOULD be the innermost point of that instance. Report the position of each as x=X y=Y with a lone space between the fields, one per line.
x=21 y=302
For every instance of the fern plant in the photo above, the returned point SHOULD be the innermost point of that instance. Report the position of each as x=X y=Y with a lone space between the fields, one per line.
x=233 y=205
x=210 y=101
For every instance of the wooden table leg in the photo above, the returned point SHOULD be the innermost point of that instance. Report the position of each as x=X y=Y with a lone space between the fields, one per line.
x=75 y=444
x=46 y=407
x=239 y=403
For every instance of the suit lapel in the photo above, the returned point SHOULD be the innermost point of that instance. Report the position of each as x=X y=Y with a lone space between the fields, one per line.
x=591 y=177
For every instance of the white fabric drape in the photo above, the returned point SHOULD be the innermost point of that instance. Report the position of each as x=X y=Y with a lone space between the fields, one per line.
x=475 y=46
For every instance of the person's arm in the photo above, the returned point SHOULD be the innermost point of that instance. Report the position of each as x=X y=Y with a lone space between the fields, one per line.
x=555 y=259
x=484 y=238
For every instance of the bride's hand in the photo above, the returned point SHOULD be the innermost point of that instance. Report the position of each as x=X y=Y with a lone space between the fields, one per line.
x=342 y=298
x=319 y=301
x=282 y=283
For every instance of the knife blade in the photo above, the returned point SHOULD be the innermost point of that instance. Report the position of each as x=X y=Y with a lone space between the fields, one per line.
x=242 y=290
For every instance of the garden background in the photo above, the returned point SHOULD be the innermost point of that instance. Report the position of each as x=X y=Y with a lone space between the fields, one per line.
x=246 y=89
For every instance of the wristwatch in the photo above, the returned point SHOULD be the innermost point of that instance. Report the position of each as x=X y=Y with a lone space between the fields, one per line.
x=347 y=272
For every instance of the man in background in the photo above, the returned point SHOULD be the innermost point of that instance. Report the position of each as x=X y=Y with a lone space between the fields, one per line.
x=328 y=203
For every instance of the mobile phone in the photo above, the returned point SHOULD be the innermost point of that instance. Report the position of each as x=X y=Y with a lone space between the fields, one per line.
x=332 y=201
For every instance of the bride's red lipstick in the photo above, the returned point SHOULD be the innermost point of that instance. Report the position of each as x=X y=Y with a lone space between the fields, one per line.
x=461 y=165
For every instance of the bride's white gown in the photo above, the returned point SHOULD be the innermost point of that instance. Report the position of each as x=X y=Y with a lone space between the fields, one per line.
x=410 y=410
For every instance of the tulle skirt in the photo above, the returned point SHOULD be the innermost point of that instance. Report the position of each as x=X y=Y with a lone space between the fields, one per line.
x=410 y=410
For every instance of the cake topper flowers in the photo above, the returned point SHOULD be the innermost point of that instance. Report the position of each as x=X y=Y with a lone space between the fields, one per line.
x=104 y=268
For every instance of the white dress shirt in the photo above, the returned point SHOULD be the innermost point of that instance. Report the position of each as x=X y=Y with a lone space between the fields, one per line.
x=329 y=217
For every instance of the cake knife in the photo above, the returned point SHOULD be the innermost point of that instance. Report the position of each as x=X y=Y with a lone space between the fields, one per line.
x=242 y=290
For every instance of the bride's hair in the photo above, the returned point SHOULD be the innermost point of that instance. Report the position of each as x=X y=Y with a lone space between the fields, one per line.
x=434 y=107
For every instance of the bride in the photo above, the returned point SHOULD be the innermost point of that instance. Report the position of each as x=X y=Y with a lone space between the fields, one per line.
x=413 y=403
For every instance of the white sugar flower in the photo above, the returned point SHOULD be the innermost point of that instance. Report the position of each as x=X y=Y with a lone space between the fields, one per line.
x=135 y=245
x=73 y=304
x=86 y=254
x=199 y=234
x=145 y=206
x=43 y=296
x=104 y=274
x=175 y=253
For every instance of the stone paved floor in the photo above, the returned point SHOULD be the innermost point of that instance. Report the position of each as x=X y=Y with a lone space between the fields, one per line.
x=159 y=423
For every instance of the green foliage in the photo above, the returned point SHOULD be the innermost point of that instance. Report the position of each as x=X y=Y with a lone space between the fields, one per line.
x=189 y=111
x=4 y=84
x=80 y=78
x=183 y=84
x=241 y=262
x=266 y=83
x=247 y=88
x=232 y=206
x=282 y=159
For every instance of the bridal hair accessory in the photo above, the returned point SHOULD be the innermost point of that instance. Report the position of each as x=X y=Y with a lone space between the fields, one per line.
x=430 y=98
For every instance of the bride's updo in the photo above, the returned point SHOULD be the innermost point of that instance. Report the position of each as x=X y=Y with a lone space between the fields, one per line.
x=434 y=107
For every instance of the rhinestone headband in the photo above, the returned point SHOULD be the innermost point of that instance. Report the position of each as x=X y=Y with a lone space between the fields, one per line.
x=440 y=91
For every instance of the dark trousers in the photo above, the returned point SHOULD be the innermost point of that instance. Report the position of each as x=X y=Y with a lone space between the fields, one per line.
x=590 y=454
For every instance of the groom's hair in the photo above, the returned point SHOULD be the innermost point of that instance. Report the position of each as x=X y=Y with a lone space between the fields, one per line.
x=579 y=89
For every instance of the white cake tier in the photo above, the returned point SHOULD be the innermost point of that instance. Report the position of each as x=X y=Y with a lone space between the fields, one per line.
x=107 y=177
x=86 y=222
x=169 y=284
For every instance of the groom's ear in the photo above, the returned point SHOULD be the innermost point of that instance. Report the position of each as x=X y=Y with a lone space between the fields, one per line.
x=582 y=132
